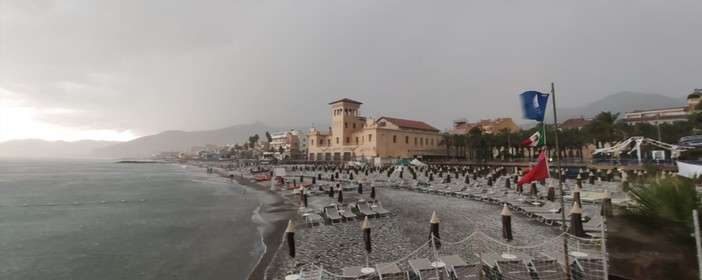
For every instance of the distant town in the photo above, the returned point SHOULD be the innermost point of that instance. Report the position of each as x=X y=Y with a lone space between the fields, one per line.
x=353 y=137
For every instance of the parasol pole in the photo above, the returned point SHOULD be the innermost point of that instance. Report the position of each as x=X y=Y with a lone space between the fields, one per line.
x=560 y=184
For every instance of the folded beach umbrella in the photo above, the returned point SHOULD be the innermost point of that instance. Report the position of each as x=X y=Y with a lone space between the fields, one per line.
x=533 y=191
x=340 y=197
x=304 y=199
x=434 y=229
x=290 y=236
x=360 y=188
x=467 y=179
x=314 y=180
x=372 y=195
x=302 y=178
x=366 y=235
x=506 y=223
x=507 y=185
x=579 y=181
x=576 y=221
x=551 y=196
x=591 y=178
x=606 y=210
x=576 y=196
x=331 y=191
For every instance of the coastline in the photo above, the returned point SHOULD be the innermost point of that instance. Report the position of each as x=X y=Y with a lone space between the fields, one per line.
x=275 y=210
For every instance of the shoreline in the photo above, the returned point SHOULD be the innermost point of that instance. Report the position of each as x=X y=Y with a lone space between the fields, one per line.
x=275 y=210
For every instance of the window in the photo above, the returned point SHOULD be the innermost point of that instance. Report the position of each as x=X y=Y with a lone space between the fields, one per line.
x=406 y=139
x=432 y=141
x=354 y=125
x=415 y=141
x=311 y=142
x=381 y=124
x=346 y=125
x=328 y=142
x=337 y=140
x=370 y=137
x=394 y=138
x=356 y=140
x=421 y=141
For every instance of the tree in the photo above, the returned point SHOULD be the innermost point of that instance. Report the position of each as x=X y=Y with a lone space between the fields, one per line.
x=474 y=140
x=671 y=199
x=281 y=150
x=602 y=129
x=446 y=140
x=253 y=140
x=268 y=136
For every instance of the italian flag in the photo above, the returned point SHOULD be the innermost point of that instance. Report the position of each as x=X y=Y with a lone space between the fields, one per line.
x=537 y=139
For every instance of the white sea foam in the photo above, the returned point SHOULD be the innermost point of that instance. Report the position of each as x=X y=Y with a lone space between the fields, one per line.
x=260 y=227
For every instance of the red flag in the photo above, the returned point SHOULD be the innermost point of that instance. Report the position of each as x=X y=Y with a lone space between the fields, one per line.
x=539 y=172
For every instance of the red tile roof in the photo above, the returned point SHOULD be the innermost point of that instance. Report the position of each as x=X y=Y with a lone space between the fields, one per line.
x=574 y=123
x=345 y=100
x=410 y=124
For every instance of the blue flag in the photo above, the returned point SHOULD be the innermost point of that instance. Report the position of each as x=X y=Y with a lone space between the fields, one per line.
x=534 y=105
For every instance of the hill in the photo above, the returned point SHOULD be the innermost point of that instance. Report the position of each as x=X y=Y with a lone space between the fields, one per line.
x=36 y=148
x=181 y=140
x=621 y=102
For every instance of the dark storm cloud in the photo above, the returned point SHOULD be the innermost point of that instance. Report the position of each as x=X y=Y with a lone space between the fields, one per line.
x=155 y=65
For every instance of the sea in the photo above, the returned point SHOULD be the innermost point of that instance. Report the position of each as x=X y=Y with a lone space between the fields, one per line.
x=96 y=219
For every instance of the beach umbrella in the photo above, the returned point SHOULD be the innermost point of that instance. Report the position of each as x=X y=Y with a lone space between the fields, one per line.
x=533 y=191
x=591 y=178
x=366 y=172
x=431 y=176
x=331 y=177
x=489 y=181
x=506 y=223
x=350 y=176
x=304 y=199
x=401 y=173
x=576 y=196
x=302 y=179
x=434 y=229
x=606 y=210
x=448 y=178
x=579 y=181
x=563 y=176
x=466 y=180
x=551 y=196
x=360 y=188
x=340 y=197
x=314 y=180
x=475 y=175
x=294 y=183
x=336 y=175
x=507 y=184
x=609 y=175
x=414 y=176
x=331 y=191
x=372 y=195
x=516 y=178
x=319 y=176
x=290 y=236
x=366 y=235
x=576 y=221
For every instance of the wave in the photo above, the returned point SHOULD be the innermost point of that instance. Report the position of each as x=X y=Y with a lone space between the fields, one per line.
x=261 y=228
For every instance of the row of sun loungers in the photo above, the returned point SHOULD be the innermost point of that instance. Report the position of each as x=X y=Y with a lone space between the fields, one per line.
x=494 y=266
x=344 y=212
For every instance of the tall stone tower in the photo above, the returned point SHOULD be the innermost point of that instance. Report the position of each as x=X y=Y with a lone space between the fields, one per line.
x=345 y=120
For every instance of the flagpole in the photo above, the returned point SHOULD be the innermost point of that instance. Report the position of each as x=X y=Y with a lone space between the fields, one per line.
x=560 y=185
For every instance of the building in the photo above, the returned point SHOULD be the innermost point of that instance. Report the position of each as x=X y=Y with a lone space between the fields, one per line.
x=292 y=142
x=489 y=126
x=657 y=116
x=578 y=123
x=354 y=137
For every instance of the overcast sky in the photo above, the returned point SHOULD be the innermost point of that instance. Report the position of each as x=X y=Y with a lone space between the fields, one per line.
x=121 y=69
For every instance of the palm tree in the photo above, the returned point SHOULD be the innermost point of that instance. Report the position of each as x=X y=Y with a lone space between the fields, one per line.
x=672 y=199
x=473 y=139
x=446 y=140
x=602 y=129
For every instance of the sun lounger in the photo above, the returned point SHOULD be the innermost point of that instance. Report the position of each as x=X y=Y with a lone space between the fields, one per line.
x=424 y=269
x=460 y=269
x=354 y=272
x=346 y=212
x=548 y=269
x=513 y=270
x=365 y=210
x=332 y=214
x=379 y=209
x=590 y=268
x=390 y=271
x=312 y=219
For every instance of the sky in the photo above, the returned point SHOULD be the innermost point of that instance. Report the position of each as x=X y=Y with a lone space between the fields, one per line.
x=117 y=70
